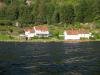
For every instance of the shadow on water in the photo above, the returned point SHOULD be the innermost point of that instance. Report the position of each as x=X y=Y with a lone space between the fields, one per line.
x=49 y=58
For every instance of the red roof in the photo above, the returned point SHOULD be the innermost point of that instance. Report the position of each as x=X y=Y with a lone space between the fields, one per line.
x=41 y=28
x=75 y=32
x=72 y=32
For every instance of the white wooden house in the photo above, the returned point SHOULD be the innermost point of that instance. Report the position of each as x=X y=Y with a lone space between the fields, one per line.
x=41 y=31
x=76 y=34
x=29 y=33
x=38 y=31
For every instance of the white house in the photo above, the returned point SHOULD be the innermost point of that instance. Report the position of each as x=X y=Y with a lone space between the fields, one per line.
x=76 y=34
x=84 y=33
x=29 y=33
x=41 y=31
x=38 y=31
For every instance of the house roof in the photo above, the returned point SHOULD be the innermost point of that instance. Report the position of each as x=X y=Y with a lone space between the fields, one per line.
x=75 y=31
x=72 y=32
x=41 y=28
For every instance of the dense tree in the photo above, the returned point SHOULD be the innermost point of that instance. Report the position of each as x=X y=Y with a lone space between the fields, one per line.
x=67 y=14
x=50 y=11
x=81 y=11
x=12 y=12
x=96 y=9
x=25 y=16
x=40 y=11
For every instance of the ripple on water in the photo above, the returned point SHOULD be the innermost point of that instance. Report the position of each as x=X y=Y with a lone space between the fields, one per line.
x=50 y=58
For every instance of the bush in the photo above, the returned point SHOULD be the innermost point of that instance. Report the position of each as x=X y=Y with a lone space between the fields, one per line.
x=61 y=38
x=56 y=35
x=92 y=38
x=96 y=35
x=77 y=25
x=83 y=38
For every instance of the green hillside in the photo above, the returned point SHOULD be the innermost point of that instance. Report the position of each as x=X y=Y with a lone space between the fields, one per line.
x=50 y=11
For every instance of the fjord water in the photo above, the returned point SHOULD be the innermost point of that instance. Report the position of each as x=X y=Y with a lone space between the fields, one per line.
x=49 y=58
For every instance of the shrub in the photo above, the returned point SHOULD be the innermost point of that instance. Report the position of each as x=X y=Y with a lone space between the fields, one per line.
x=92 y=38
x=96 y=35
x=82 y=38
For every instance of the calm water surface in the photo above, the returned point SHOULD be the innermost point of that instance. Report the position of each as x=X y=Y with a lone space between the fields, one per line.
x=49 y=58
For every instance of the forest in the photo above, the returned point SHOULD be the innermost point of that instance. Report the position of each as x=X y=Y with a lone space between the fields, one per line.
x=28 y=12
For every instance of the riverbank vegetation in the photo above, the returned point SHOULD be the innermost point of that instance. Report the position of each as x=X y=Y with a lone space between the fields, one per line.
x=58 y=15
x=13 y=32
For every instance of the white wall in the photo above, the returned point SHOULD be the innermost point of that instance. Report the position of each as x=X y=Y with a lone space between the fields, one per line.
x=72 y=37
x=85 y=35
x=76 y=37
x=46 y=33
x=28 y=34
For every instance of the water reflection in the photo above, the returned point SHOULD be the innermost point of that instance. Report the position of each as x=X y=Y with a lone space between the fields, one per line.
x=49 y=58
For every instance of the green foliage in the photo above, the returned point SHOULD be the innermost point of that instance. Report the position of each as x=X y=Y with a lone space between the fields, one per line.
x=25 y=16
x=10 y=30
x=50 y=11
x=56 y=31
x=97 y=35
x=92 y=38
x=67 y=14
x=11 y=37
x=12 y=12
x=77 y=25
x=6 y=22
x=81 y=11
x=4 y=37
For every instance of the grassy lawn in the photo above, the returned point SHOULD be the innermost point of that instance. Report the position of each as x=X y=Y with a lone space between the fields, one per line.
x=4 y=37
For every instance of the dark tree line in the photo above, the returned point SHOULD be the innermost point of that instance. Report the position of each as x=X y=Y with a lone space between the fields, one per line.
x=50 y=11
